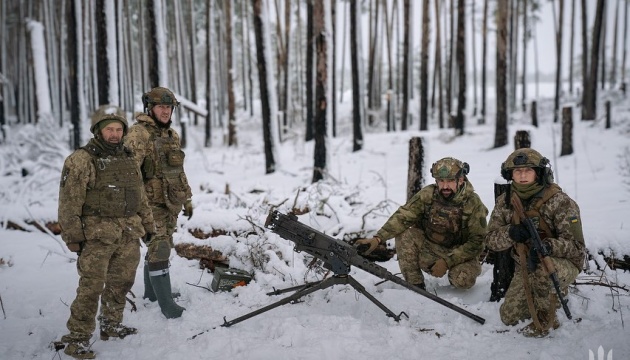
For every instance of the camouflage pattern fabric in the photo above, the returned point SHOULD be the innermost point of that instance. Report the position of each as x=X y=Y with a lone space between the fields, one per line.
x=140 y=140
x=514 y=308
x=111 y=247
x=108 y=271
x=562 y=215
x=416 y=251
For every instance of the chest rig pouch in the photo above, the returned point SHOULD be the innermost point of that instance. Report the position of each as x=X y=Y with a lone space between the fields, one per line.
x=169 y=186
x=117 y=189
x=443 y=223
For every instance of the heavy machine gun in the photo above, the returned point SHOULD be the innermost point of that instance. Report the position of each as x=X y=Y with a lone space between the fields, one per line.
x=337 y=256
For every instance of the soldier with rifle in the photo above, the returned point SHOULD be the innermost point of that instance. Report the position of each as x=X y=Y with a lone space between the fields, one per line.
x=542 y=225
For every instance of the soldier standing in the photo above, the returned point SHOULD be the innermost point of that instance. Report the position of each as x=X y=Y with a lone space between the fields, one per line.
x=440 y=229
x=103 y=212
x=158 y=151
x=557 y=219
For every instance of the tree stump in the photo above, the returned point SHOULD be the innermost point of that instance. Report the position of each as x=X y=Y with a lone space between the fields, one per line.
x=416 y=160
x=567 y=131
x=522 y=140
x=534 y=114
x=608 y=114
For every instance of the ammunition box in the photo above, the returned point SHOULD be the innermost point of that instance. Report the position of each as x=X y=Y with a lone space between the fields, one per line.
x=227 y=279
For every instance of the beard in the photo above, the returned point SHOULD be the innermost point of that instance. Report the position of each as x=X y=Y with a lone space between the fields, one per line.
x=114 y=140
x=447 y=193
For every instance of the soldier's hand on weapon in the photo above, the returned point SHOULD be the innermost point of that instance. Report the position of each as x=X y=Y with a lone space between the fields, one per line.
x=438 y=269
x=366 y=246
x=533 y=259
x=188 y=209
x=76 y=247
x=519 y=233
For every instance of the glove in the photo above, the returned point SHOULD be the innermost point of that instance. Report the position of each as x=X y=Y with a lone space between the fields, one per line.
x=76 y=247
x=188 y=209
x=147 y=238
x=366 y=246
x=438 y=269
x=519 y=233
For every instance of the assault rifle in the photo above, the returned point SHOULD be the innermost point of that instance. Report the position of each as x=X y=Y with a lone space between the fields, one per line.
x=337 y=256
x=543 y=252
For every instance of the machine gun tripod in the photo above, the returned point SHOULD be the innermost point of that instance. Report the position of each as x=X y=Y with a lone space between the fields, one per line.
x=337 y=256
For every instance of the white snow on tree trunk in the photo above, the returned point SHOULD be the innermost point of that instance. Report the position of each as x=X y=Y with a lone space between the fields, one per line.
x=36 y=31
x=112 y=53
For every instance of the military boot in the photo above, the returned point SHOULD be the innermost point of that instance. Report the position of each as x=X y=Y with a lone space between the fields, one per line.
x=162 y=287
x=547 y=321
x=78 y=347
x=110 y=329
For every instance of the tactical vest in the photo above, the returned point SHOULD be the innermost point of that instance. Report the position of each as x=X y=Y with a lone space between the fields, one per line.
x=118 y=186
x=544 y=230
x=164 y=171
x=443 y=222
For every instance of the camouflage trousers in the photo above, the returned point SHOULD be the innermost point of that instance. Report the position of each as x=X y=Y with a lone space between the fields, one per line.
x=159 y=249
x=416 y=253
x=514 y=307
x=107 y=271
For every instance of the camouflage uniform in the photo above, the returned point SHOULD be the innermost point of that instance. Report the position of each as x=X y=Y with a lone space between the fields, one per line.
x=102 y=207
x=557 y=218
x=157 y=150
x=429 y=227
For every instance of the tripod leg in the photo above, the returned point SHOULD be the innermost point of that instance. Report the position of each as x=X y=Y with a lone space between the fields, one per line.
x=355 y=284
x=293 y=288
x=321 y=285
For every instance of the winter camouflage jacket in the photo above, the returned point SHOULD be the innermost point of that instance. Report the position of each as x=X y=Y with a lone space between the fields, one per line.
x=158 y=152
x=79 y=183
x=561 y=214
x=472 y=226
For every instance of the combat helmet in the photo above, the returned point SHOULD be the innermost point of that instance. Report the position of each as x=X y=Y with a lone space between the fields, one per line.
x=158 y=96
x=108 y=112
x=531 y=158
x=449 y=168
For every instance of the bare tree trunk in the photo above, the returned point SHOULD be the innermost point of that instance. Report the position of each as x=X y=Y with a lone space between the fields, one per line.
x=310 y=103
x=232 y=138
x=584 y=57
x=270 y=163
x=391 y=104
x=333 y=103
x=590 y=92
x=371 y=88
x=209 y=78
x=438 y=64
x=3 y=66
x=524 y=73
x=461 y=66
x=602 y=47
x=449 y=65
x=416 y=164
x=625 y=46
x=73 y=78
x=102 y=67
x=474 y=58
x=424 y=66
x=556 y=107
x=357 y=132
x=406 y=65
x=484 y=62
x=154 y=72
x=613 y=72
x=500 y=135
x=321 y=48
x=285 y=99
x=571 y=47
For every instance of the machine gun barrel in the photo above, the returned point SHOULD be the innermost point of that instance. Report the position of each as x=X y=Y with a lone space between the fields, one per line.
x=338 y=255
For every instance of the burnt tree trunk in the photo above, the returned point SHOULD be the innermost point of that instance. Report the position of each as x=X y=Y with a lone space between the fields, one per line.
x=321 y=49
x=522 y=140
x=534 y=114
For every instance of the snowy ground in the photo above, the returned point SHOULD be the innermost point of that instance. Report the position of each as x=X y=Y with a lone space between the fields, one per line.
x=38 y=278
